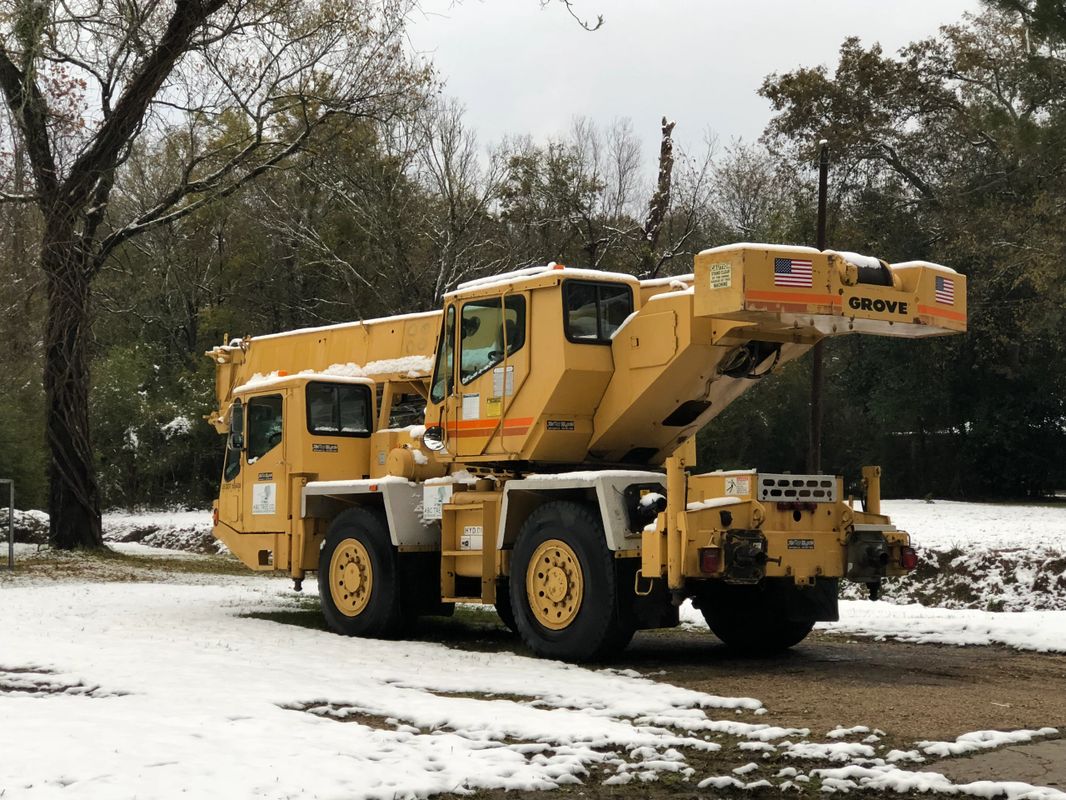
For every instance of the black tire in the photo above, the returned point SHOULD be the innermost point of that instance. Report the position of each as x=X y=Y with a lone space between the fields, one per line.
x=383 y=614
x=503 y=604
x=598 y=628
x=752 y=622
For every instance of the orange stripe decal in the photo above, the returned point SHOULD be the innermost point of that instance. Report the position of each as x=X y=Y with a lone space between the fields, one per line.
x=473 y=433
x=482 y=428
x=934 y=311
x=481 y=423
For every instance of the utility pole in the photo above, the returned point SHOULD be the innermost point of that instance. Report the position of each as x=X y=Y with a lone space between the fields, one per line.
x=814 y=444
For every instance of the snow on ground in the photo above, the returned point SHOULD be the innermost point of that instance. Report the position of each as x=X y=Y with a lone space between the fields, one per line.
x=945 y=524
x=984 y=556
x=177 y=530
x=161 y=690
x=1042 y=631
x=170 y=690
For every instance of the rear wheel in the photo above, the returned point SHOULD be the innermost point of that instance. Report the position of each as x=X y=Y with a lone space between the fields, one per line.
x=359 y=580
x=752 y=621
x=564 y=586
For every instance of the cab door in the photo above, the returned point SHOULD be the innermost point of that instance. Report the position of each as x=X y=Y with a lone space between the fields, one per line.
x=440 y=410
x=230 y=494
x=265 y=498
x=493 y=364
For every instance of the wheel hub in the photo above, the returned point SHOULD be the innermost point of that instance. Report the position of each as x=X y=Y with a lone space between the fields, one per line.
x=554 y=584
x=351 y=577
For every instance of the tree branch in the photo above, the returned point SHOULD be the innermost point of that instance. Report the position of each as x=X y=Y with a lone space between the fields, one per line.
x=128 y=113
x=31 y=112
x=207 y=187
x=584 y=23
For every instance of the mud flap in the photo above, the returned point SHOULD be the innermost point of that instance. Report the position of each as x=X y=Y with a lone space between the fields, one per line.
x=818 y=602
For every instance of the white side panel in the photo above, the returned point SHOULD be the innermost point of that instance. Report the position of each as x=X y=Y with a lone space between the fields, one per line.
x=402 y=501
x=609 y=485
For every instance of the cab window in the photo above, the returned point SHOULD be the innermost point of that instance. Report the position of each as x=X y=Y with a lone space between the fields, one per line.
x=592 y=312
x=490 y=329
x=407 y=409
x=338 y=409
x=445 y=367
x=264 y=425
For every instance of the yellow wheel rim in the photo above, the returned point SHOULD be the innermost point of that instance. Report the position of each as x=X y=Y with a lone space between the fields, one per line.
x=554 y=584
x=351 y=578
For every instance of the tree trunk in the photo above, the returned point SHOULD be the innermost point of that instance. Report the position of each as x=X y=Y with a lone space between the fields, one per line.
x=74 y=499
x=659 y=205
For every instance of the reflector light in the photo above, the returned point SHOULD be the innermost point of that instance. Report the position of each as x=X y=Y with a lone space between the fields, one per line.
x=214 y=516
x=908 y=559
x=710 y=559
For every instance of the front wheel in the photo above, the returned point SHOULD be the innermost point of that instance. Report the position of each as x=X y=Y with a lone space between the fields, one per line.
x=503 y=604
x=564 y=587
x=359 y=577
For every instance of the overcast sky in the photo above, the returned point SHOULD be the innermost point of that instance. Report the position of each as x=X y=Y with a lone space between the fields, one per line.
x=522 y=69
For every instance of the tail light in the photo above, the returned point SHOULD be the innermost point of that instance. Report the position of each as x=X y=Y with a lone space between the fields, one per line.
x=908 y=559
x=214 y=516
x=710 y=560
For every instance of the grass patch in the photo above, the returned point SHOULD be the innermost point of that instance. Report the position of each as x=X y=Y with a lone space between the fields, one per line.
x=106 y=564
x=306 y=614
x=344 y=713
x=468 y=628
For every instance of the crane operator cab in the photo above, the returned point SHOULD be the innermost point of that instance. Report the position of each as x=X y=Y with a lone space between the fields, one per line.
x=483 y=404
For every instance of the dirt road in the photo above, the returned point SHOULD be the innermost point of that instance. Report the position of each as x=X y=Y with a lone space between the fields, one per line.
x=912 y=691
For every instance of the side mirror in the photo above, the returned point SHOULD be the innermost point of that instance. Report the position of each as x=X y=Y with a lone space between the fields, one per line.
x=433 y=438
x=236 y=425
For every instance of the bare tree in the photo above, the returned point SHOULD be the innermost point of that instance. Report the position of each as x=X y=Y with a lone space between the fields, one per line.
x=234 y=86
x=751 y=195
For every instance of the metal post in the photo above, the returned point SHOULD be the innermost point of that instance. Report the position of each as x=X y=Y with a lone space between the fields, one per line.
x=10 y=521
x=814 y=448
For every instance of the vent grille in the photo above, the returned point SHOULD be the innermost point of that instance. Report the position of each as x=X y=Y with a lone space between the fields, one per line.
x=805 y=488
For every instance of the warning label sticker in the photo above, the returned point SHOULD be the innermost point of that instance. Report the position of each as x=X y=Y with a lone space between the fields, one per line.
x=721 y=276
x=738 y=485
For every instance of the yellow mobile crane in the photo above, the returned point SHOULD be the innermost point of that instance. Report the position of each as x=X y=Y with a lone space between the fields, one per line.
x=531 y=446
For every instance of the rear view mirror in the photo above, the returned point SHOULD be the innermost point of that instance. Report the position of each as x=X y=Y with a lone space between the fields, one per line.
x=433 y=438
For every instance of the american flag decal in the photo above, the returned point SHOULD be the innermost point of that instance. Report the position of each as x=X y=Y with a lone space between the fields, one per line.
x=793 y=272
x=945 y=291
